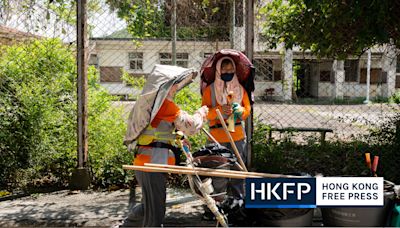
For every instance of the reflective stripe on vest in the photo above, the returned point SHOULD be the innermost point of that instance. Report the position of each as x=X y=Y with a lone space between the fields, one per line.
x=154 y=155
x=162 y=133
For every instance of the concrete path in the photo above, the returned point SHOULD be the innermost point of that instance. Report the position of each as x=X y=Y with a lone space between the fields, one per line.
x=100 y=209
x=91 y=208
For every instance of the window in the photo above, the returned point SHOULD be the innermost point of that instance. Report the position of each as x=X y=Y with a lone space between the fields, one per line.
x=277 y=75
x=376 y=76
x=182 y=59
x=136 y=60
x=166 y=58
x=110 y=74
x=264 y=69
x=325 y=76
x=351 y=70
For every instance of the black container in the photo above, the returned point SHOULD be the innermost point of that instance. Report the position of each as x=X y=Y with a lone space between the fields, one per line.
x=304 y=218
x=358 y=216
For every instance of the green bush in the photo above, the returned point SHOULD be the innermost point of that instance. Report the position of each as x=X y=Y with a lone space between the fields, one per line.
x=395 y=98
x=106 y=129
x=133 y=81
x=38 y=119
x=13 y=153
x=41 y=74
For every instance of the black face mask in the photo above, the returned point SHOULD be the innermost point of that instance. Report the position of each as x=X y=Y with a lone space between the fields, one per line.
x=226 y=77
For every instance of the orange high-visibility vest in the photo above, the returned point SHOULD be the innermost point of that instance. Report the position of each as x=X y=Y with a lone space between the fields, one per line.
x=161 y=129
x=215 y=129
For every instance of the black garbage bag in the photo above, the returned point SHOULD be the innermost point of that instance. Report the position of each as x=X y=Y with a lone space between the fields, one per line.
x=215 y=156
x=214 y=149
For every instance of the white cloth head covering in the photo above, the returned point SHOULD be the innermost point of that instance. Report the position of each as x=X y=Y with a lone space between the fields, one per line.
x=154 y=92
x=222 y=88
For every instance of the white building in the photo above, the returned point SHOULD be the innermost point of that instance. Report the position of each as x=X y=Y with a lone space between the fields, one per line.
x=316 y=78
x=114 y=55
x=325 y=78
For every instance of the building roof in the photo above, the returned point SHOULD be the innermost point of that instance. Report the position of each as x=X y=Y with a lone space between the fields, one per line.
x=10 y=35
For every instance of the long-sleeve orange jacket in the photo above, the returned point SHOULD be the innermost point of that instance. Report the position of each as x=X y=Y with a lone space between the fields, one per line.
x=216 y=129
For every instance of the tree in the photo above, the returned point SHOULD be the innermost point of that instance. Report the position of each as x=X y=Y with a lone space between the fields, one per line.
x=332 y=28
x=195 y=18
x=43 y=17
x=38 y=118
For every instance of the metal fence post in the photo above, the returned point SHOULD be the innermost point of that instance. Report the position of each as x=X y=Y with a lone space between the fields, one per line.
x=249 y=49
x=80 y=177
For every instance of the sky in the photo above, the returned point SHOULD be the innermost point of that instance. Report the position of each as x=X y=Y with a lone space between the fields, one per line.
x=40 y=21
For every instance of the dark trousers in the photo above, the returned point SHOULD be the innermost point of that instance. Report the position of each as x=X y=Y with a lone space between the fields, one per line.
x=236 y=186
x=151 y=211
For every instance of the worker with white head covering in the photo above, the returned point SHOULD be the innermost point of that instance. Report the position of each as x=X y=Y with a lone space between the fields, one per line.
x=152 y=128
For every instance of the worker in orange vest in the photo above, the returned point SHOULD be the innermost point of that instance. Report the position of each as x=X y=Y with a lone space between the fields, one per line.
x=215 y=96
x=156 y=141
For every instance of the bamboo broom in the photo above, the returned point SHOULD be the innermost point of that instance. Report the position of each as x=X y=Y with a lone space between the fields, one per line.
x=210 y=202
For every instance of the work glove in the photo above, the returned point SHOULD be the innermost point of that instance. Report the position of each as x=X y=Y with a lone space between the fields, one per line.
x=237 y=109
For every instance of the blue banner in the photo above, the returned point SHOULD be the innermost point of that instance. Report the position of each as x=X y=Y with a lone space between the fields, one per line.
x=280 y=193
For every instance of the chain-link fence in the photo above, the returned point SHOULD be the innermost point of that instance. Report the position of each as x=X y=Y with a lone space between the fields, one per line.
x=298 y=94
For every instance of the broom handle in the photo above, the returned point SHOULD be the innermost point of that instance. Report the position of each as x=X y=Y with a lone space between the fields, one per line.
x=210 y=136
x=221 y=119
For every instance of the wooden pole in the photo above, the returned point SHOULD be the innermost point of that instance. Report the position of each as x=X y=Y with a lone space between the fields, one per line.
x=261 y=175
x=210 y=136
x=80 y=178
x=82 y=63
x=249 y=50
x=193 y=171
x=221 y=119
x=202 y=172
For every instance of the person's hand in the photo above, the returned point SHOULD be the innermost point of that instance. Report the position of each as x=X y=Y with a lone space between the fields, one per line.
x=203 y=111
x=227 y=109
x=237 y=109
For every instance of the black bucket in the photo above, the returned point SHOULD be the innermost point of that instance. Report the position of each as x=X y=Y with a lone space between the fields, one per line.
x=285 y=217
x=359 y=216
